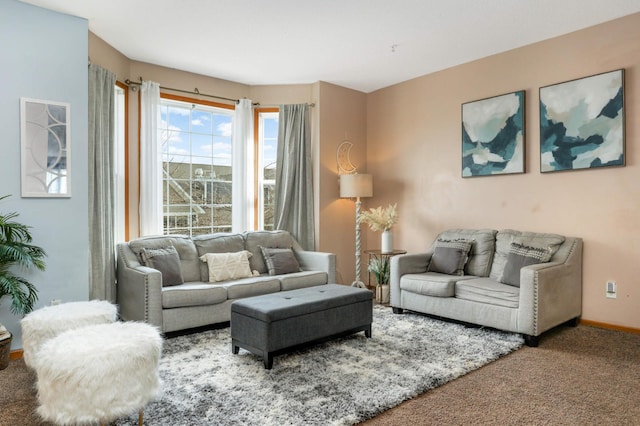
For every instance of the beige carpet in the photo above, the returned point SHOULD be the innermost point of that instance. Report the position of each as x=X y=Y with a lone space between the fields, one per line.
x=578 y=376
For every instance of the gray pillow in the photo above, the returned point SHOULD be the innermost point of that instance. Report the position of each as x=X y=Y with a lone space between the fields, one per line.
x=449 y=257
x=165 y=260
x=520 y=256
x=280 y=260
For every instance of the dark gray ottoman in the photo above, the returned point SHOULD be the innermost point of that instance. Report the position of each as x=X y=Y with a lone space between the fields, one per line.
x=273 y=324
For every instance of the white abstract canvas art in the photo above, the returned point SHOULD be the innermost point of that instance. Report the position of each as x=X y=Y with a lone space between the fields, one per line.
x=493 y=135
x=582 y=123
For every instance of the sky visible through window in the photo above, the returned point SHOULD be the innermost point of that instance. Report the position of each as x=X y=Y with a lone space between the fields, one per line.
x=197 y=135
x=270 y=141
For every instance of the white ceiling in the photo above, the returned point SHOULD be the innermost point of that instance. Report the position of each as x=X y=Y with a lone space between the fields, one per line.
x=361 y=44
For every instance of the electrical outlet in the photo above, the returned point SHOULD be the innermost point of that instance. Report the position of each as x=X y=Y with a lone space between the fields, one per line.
x=611 y=290
x=55 y=302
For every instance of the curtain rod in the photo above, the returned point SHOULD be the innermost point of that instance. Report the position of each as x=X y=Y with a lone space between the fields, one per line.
x=193 y=92
x=258 y=104
x=197 y=92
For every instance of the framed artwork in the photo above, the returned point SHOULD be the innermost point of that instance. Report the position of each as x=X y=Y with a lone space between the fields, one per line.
x=493 y=135
x=582 y=123
x=45 y=149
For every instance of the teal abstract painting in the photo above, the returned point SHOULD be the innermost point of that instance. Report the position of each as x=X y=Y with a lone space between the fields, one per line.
x=582 y=123
x=493 y=135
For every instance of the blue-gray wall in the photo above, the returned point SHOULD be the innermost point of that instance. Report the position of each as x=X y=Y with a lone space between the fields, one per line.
x=44 y=55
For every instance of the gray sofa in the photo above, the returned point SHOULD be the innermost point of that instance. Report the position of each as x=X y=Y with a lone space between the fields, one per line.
x=547 y=294
x=142 y=295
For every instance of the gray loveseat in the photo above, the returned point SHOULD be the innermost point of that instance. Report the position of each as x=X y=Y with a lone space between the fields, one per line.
x=534 y=299
x=143 y=296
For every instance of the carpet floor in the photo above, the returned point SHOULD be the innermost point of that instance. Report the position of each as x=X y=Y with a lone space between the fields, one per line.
x=581 y=375
x=339 y=382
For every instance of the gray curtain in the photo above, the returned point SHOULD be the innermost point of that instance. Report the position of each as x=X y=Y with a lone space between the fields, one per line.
x=102 y=269
x=294 y=185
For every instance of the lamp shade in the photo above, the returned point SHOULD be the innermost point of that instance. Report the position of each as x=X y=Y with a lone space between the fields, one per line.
x=356 y=185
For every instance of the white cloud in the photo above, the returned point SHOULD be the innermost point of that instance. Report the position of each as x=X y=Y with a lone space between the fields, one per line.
x=177 y=151
x=197 y=122
x=169 y=134
x=220 y=146
x=225 y=128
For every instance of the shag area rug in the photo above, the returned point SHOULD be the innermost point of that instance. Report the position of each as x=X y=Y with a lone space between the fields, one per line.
x=339 y=382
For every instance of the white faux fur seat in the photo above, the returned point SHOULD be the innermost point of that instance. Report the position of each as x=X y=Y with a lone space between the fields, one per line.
x=46 y=323
x=98 y=373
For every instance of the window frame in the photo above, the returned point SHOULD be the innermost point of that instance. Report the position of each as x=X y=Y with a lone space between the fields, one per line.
x=258 y=202
x=199 y=102
x=121 y=223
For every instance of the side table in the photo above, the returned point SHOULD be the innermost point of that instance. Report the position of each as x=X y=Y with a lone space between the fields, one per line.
x=378 y=254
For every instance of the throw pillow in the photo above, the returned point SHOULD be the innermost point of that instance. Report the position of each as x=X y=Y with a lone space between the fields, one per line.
x=165 y=260
x=227 y=266
x=280 y=260
x=450 y=256
x=520 y=256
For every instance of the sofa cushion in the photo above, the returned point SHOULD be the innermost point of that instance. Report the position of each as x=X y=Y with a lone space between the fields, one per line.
x=482 y=248
x=193 y=294
x=449 y=256
x=520 y=256
x=189 y=261
x=216 y=243
x=504 y=239
x=487 y=290
x=430 y=284
x=227 y=266
x=165 y=260
x=274 y=239
x=255 y=286
x=280 y=260
x=302 y=279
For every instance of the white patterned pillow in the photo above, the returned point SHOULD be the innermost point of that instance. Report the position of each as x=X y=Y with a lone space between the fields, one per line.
x=519 y=257
x=228 y=266
x=450 y=256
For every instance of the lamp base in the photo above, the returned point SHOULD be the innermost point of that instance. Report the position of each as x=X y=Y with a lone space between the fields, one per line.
x=358 y=284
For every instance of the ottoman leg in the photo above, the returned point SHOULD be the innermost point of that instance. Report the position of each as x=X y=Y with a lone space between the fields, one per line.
x=268 y=361
x=367 y=331
x=234 y=348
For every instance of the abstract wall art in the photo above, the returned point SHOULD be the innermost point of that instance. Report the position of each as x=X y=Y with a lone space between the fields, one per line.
x=582 y=123
x=493 y=135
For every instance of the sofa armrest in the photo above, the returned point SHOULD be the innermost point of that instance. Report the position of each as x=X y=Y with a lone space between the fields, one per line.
x=139 y=289
x=414 y=263
x=551 y=293
x=318 y=261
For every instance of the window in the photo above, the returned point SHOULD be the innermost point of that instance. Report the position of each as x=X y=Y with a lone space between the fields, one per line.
x=266 y=137
x=120 y=129
x=196 y=159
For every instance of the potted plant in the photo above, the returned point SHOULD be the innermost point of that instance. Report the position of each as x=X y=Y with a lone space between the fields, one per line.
x=380 y=268
x=380 y=219
x=16 y=253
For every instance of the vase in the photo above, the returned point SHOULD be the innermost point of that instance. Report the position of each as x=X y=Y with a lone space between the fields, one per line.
x=382 y=293
x=5 y=352
x=387 y=242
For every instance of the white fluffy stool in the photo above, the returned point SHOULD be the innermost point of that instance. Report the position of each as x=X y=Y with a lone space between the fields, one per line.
x=46 y=323
x=98 y=373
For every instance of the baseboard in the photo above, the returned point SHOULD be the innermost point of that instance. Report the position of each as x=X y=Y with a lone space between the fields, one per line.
x=16 y=354
x=610 y=326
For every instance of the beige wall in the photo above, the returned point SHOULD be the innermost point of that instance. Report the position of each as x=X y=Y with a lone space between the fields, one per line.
x=342 y=116
x=408 y=137
x=414 y=152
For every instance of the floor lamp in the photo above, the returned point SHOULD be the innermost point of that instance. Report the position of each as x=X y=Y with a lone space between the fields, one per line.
x=355 y=186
